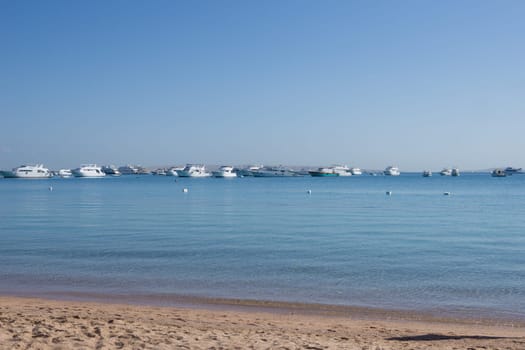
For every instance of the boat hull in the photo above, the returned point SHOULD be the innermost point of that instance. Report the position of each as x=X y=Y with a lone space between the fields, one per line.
x=321 y=174
x=182 y=173
x=274 y=174
x=221 y=174
x=87 y=175
x=13 y=175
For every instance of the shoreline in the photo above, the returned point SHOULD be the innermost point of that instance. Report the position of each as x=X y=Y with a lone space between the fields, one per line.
x=59 y=324
x=464 y=316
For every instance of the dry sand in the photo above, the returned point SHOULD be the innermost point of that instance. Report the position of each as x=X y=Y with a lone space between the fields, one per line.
x=45 y=324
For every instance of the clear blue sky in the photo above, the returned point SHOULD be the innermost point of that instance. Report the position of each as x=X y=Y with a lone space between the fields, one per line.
x=419 y=84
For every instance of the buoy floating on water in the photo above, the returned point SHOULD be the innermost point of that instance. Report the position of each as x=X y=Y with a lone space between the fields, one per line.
x=185 y=190
x=51 y=188
x=446 y=193
x=388 y=193
x=309 y=191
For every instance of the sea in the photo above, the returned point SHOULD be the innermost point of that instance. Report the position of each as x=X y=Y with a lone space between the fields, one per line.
x=439 y=244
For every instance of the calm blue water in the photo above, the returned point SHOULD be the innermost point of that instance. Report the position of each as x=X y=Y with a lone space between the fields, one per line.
x=265 y=238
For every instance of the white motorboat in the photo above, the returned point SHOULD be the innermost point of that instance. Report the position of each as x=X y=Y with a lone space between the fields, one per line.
x=193 y=170
x=28 y=172
x=65 y=173
x=160 y=171
x=173 y=171
x=225 y=171
x=335 y=170
x=322 y=172
x=427 y=173
x=341 y=170
x=445 y=172
x=88 y=170
x=133 y=170
x=111 y=170
x=356 y=171
x=128 y=169
x=249 y=170
x=274 y=172
x=392 y=171
x=455 y=172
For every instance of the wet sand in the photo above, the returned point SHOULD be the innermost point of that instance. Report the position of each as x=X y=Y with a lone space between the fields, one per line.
x=29 y=323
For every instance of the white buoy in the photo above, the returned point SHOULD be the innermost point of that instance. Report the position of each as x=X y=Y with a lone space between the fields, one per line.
x=446 y=193
x=388 y=193
x=185 y=190
x=309 y=191
x=51 y=188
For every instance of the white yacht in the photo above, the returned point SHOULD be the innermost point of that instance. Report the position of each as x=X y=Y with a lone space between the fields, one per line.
x=427 y=173
x=274 y=172
x=173 y=171
x=322 y=172
x=128 y=169
x=88 y=170
x=455 y=172
x=225 y=171
x=28 y=172
x=133 y=170
x=65 y=173
x=160 y=171
x=335 y=170
x=249 y=170
x=356 y=171
x=341 y=170
x=111 y=170
x=445 y=172
x=193 y=170
x=392 y=171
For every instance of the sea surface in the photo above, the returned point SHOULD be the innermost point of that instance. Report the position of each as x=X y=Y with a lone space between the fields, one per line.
x=345 y=243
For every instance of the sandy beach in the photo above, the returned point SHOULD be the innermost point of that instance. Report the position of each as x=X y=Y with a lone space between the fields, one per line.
x=28 y=323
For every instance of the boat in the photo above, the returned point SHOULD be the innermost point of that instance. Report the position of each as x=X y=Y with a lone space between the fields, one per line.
x=335 y=170
x=356 y=171
x=392 y=171
x=278 y=171
x=88 y=170
x=510 y=170
x=445 y=172
x=341 y=170
x=499 y=173
x=173 y=171
x=128 y=170
x=323 y=172
x=455 y=172
x=224 y=171
x=111 y=170
x=193 y=170
x=302 y=172
x=427 y=173
x=133 y=170
x=65 y=173
x=143 y=171
x=160 y=172
x=249 y=170
x=28 y=172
